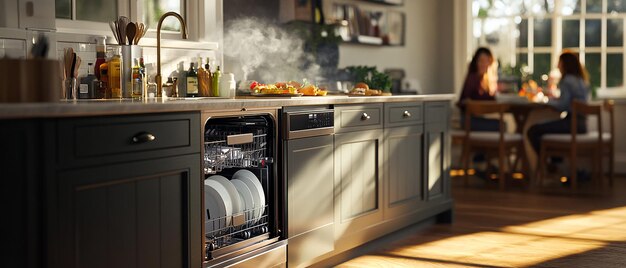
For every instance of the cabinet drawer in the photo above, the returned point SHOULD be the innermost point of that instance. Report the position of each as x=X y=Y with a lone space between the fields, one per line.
x=358 y=117
x=94 y=140
x=403 y=114
x=436 y=112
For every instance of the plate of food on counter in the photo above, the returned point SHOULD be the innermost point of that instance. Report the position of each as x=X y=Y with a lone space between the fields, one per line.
x=362 y=89
x=285 y=89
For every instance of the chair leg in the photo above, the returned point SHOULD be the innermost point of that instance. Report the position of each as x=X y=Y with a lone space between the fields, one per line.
x=611 y=163
x=572 y=171
x=465 y=161
x=501 y=156
x=541 y=172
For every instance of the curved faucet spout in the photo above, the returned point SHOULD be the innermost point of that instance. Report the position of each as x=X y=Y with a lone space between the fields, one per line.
x=183 y=24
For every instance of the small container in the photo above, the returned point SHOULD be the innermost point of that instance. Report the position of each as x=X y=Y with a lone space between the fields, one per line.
x=71 y=88
x=228 y=86
x=167 y=88
x=152 y=90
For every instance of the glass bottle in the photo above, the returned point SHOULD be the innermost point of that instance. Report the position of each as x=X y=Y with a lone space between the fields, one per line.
x=115 y=73
x=192 y=81
x=202 y=81
x=85 y=88
x=215 y=87
x=100 y=55
x=137 y=88
x=208 y=77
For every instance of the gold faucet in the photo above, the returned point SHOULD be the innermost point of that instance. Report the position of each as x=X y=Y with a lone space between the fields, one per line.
x=157 y=78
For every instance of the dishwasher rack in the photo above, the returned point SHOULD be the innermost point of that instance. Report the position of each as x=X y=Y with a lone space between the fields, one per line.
x=235 y=145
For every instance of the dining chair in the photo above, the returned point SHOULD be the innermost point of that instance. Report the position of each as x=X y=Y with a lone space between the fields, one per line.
x=594 y=144
x=504 y=144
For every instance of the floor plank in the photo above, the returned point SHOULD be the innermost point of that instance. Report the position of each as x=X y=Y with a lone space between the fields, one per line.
x=517 y=228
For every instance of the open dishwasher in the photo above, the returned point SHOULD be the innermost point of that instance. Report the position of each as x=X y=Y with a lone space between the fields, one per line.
x=242 y=200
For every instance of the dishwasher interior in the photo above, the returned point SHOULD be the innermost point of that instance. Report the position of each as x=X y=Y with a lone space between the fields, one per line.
x=241 y=197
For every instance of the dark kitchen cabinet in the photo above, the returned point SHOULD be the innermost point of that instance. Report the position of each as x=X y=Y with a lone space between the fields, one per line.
x=106 y=191
x=20 y=199
x=125 y=191
x=136 y=214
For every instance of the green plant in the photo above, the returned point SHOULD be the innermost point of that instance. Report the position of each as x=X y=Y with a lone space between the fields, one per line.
x=372 y=77
x=314 y=35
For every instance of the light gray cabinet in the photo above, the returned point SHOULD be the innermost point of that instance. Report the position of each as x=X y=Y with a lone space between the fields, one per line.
x=403 y=165
x=310 y=198
x=436 y=151
x=403 y=170
x=358 y=185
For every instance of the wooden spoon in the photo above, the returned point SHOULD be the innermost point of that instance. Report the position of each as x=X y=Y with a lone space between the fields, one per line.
x=131 y=31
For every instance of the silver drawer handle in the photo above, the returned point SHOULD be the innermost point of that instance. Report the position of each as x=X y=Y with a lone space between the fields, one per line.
x=365 y=116
x=406 y=114
x=143 y=137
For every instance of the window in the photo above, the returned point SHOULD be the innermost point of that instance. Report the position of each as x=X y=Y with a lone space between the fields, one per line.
x=95 y=14
x=532 y=33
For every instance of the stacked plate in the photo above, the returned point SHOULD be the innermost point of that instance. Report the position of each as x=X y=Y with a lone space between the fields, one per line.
x=224 y=198
x=244 y=177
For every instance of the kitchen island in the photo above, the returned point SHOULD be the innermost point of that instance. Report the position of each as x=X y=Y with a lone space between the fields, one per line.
x=65 y=164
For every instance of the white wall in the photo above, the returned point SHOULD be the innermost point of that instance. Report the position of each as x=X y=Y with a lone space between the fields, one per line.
x=428 y=51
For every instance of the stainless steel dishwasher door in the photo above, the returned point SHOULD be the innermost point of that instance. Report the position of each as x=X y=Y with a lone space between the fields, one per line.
x=308 y=169
x=309 y=174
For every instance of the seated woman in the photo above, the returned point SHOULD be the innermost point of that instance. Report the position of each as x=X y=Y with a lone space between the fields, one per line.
x=479 y=85
x=573 y=86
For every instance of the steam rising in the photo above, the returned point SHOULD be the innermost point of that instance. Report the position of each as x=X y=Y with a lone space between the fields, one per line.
x=258 y=50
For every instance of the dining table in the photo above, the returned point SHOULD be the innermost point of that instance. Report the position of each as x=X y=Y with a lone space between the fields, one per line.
x=527 y=113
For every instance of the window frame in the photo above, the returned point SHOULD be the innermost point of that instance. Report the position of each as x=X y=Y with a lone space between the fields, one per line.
x=557 y=42
x=133 y=10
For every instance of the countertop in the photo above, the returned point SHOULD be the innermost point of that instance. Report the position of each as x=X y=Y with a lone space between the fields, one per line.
x=156 y=105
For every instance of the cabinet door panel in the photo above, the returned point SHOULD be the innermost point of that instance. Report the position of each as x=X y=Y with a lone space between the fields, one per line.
x=146 y=214
x=437 y=166
x=358 y=191
x=403 y=154
x=20 y=203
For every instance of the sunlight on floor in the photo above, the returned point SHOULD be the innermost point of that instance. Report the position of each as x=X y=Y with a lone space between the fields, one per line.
x=531 y=243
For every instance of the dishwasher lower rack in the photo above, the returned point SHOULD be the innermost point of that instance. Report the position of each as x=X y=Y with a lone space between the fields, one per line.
x=228 y=234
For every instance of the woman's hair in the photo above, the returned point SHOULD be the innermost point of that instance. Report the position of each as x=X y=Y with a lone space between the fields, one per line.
x=571 y=65
x=473 y=66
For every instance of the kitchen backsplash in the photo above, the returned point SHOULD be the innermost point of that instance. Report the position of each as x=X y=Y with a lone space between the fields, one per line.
x=170 y=57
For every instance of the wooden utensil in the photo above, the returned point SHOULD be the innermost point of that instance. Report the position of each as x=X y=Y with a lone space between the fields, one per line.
x=131 y=31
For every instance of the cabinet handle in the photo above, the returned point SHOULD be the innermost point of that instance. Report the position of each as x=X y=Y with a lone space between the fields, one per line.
x=406 y=114
x=365 y=116
x=143 y=137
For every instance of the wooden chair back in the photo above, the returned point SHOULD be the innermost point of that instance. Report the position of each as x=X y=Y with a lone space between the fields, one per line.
x=585 y=109
x=475 y=108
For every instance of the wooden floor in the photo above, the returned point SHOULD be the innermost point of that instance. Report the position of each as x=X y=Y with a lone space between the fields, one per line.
x=516 y=228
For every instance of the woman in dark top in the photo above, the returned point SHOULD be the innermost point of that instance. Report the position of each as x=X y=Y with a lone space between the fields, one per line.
x=478 y=86
x=573 y=86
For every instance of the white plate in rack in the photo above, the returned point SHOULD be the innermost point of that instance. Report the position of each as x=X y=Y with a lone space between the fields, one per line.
x=225 y=198
x=256 y=188
x=232 y=192
x=246 y=198
x=215 y=210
